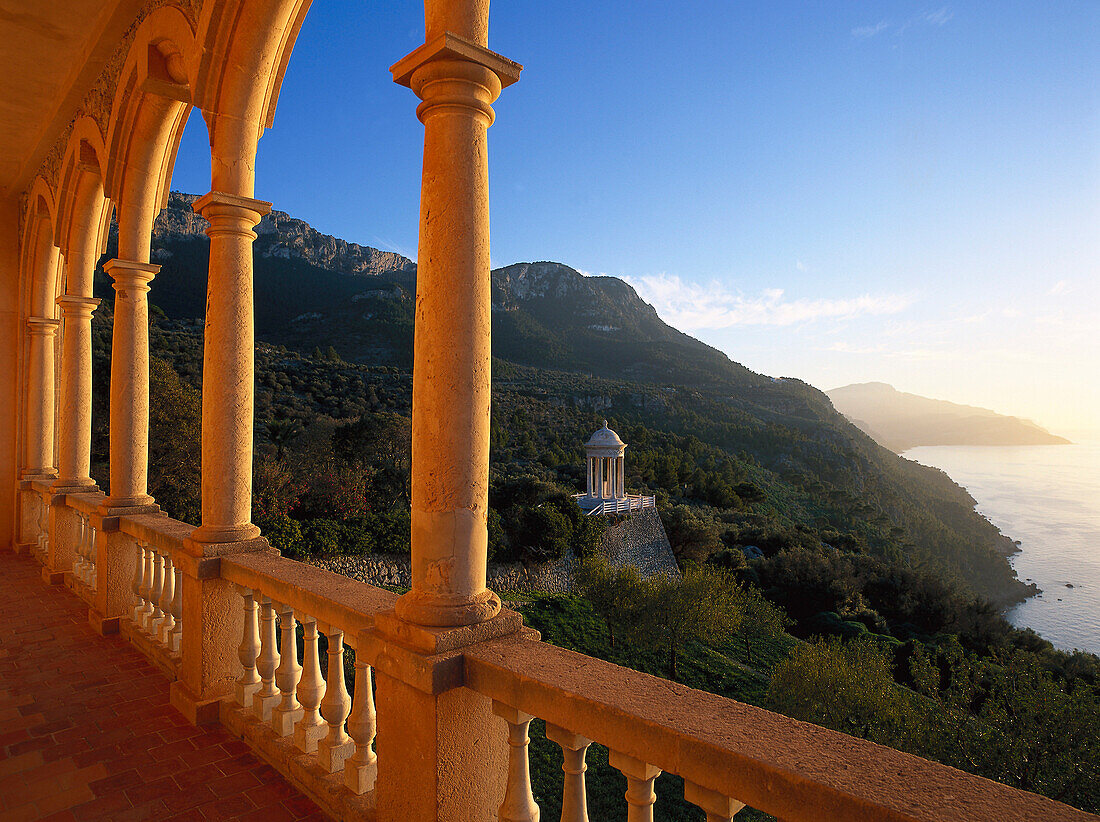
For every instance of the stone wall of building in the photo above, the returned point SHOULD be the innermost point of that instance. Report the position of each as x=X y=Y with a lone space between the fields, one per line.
x=638 y=539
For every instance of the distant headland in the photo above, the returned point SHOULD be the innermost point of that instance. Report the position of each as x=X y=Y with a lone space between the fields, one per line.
x=900 y=421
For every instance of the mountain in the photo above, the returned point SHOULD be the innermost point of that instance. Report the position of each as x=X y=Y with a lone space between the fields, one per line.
x=900 y=421
x=570 y=350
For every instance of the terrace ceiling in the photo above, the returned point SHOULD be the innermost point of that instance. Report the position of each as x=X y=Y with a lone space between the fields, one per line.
x=52 y=52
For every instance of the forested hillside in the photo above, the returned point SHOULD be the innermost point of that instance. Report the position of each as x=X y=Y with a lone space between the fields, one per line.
x=571 y=350
x=820 y=531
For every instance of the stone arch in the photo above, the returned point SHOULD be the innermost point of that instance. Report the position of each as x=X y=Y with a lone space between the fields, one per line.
x=84 y=211
x=246 y=46
x=39 y=258
x=152 y=101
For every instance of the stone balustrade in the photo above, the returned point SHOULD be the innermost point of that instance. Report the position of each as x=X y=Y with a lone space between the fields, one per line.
x=318 y=727
x=83 y=580
x=293 y=700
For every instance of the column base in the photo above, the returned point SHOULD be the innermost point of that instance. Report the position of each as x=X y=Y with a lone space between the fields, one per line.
x=124 y=506
x=203 y=548
x=196 y=711
x=445 y=612
x=75 y=485
x=52 y=577
x=225 y=534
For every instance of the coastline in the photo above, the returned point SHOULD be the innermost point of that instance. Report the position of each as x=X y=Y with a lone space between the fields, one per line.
x=1044 y=502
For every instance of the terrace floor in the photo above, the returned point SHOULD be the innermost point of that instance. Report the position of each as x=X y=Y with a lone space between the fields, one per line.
x=86 y=731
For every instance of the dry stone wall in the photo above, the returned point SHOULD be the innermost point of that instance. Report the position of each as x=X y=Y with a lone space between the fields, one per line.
x=396 y=572
x=638 y=540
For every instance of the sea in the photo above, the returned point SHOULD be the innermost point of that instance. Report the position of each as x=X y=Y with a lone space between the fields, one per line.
x=1047 y=497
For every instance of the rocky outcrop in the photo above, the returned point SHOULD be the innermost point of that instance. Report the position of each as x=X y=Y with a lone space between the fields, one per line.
x=280 y=235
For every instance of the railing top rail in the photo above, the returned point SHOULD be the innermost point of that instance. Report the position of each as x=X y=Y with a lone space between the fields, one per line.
x=794 y=770
x=157 y=530
x=332 y=599
x=43 y=485
x=86 y=503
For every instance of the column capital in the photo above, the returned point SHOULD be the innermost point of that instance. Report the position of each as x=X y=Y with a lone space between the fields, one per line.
x=222 y=210
x=73 y=305
x=42 y=326
x=130 y=274
x=449 y=46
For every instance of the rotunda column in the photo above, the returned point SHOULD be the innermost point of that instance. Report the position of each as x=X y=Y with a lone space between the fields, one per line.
x=130 y=386
x=457 y=79
x=74 y=440
x=228 y=371
x=40 y=396
x=599 y=477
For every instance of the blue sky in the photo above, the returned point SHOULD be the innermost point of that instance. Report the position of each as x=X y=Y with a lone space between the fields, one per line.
x=841 y=192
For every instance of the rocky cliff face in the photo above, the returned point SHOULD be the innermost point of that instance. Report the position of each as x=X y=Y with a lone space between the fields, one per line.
x=280 y=235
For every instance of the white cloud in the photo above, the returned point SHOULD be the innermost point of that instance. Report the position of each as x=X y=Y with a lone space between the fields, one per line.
x=864 y=32
x=1059 y=288
x=801 y=266
x=690 y=306
x=938 y=18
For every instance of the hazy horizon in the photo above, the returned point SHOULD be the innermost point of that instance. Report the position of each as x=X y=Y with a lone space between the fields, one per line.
x=899 y=192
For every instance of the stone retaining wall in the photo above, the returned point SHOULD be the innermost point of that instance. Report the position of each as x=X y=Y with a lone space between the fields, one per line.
x=638 y=539
x=395 y=571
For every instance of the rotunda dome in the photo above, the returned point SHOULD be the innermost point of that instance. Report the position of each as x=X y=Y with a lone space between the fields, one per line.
x=605 y=440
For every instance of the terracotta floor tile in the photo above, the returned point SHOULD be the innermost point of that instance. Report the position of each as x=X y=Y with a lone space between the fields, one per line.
x=87 y=731
x=101 y=807
x=63 y=799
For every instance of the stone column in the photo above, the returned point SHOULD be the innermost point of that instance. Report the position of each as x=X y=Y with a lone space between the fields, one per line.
x=40 y=397
x=457 y=78
x=74 y=441
x=599 y=477
x=130 y=388
x=228 y=370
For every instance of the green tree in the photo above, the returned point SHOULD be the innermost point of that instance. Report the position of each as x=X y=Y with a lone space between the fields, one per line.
x=281 y=432
x=693 y=537
x=175 y=442
x=703 y=605
x=616 y=594
x=848 y=687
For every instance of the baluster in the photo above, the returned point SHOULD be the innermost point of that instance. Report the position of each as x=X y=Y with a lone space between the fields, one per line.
x=249 y=681
x=639 y=785
x=310 y=728
x=361 y=770
x=176 y=636
x=78 y=560
x=167 y=596
x=152 y=624
x=519 y=804
x=93 y=573
x=146 y=586
x=288 y=711
x=337 y=746
x=718 y=807
x=574 y=802
x=43 y=529
x=268 y=696
x=136 y=583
